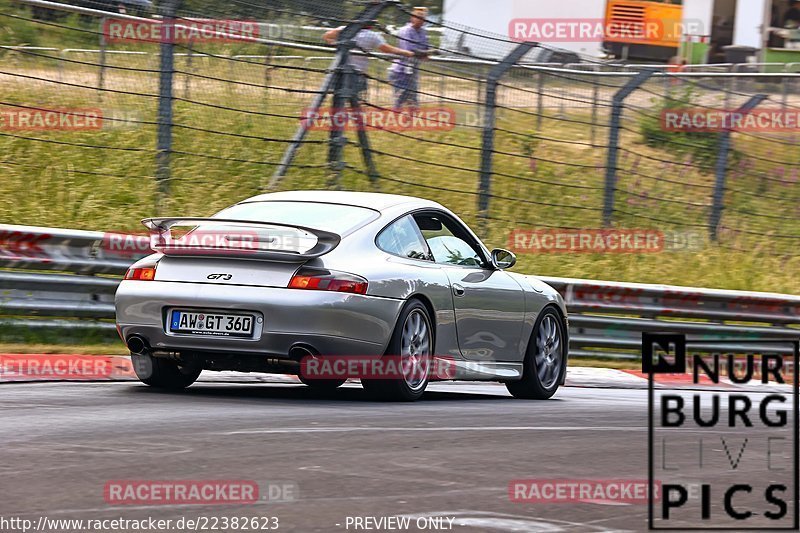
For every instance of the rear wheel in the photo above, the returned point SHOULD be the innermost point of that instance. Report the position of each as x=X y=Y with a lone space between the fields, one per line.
x=544 y=361
x=163 y=373
x=411 y=347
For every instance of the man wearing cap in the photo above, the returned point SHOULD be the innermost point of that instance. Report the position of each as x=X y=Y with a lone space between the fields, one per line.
x=404 y=73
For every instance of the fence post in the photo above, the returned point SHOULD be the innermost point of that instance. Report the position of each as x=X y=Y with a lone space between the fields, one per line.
x=617 y=105
x=345 y=45
x=441 y=86
x=595 y=98
x=722 y=169
x=784 y=91
x=101 y=74
x=539 y=99
x=165 y=100
x=268 y=72
x=489 y=120
x=479 y=92
x=187 y=78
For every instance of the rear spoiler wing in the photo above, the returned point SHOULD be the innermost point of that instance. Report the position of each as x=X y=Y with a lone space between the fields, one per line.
x=326 y=241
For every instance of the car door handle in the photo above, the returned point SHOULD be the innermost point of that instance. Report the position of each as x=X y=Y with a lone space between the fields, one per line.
x=458 y=290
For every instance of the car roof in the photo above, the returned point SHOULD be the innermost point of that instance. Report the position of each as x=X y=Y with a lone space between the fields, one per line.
x=371 y=200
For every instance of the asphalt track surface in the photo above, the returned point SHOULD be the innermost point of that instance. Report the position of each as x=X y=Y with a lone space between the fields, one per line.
x=452 y=454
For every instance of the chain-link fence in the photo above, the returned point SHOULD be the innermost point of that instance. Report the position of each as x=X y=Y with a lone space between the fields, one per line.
x=243 y=98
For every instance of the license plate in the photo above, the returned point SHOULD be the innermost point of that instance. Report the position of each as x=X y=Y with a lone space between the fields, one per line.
x=211 y=324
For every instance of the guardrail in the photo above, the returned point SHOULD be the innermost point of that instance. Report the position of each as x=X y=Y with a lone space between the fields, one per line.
x=65 y=279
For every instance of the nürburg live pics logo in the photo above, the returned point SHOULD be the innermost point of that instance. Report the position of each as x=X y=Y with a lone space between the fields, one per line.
x=722 y=433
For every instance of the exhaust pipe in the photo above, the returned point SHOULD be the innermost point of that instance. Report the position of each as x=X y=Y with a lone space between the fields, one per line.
x=298 y=351
x=138 y=345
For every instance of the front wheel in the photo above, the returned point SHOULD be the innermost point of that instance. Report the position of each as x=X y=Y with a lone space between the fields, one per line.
x=163 y=373
x=411 y=348
x=544 y=360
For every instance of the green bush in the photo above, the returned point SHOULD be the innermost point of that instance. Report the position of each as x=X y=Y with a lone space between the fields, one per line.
x=703 y=147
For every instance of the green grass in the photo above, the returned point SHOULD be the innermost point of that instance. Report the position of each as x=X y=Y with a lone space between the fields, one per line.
x=92 y=188
x=62 y=183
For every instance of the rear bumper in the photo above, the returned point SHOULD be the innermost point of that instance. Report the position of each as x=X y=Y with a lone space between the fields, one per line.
x=332 y=323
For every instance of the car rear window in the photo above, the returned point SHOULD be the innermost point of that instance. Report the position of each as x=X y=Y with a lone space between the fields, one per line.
x=336 y=218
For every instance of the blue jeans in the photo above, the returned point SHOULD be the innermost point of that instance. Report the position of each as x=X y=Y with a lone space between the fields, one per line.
x=405 y=88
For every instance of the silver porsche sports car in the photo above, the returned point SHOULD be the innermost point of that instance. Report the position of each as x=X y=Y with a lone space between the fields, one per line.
x=393 y=290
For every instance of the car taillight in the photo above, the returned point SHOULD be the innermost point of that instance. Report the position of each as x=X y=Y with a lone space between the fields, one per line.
x=327 y=280
x=142 y=273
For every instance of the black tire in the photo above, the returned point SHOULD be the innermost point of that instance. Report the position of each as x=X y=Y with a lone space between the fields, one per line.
x=399 y=389
x=163 y=373
x=531 y=386
x=322 y=384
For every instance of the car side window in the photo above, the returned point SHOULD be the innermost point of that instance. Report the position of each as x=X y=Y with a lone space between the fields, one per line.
x=444 y=242
x=402 y=238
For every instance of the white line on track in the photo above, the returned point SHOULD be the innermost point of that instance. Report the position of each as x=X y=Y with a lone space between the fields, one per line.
x=256 y=431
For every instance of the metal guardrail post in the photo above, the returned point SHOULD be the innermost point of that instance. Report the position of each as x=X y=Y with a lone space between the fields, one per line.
x=490 y=119
x=722 y=169
x=345 y=46
x=618 y=102
x=165 y=101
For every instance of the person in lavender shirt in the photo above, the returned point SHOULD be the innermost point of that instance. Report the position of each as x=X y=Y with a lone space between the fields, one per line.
x=404 y=73
x=367 y=40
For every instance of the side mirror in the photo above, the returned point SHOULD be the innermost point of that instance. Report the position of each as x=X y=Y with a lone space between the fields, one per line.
x=503 y=259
